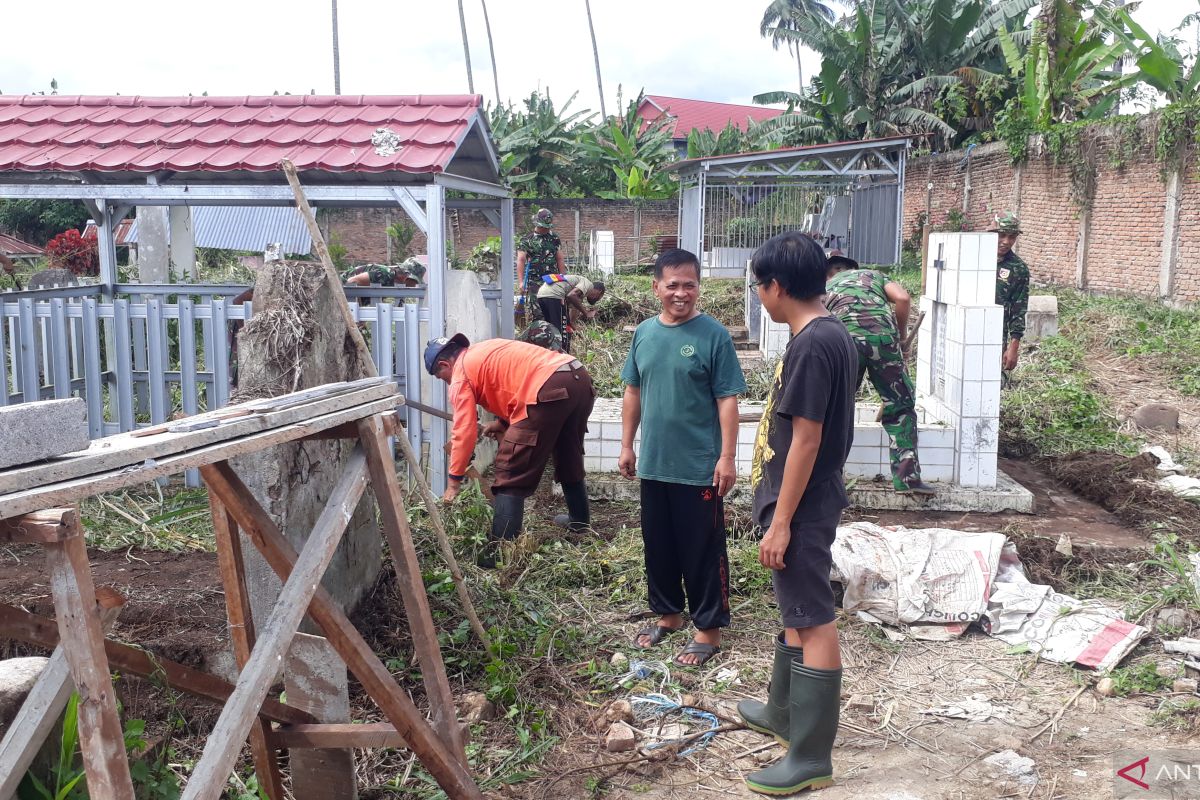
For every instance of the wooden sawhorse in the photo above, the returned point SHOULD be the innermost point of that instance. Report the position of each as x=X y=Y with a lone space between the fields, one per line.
x=362 y=411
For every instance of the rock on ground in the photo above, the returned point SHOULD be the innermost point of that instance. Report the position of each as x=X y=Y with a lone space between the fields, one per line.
x=1156 y=416
x=477 y=708
x=620 y=738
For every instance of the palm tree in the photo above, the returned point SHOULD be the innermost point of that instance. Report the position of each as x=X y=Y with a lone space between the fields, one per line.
x=596 y=53
x=491 y=50
x=785 y=15
x=462 y=23
x=337 y=69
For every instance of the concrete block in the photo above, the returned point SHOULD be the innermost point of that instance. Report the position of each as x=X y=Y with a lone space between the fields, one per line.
x=34 y=431
x=610 y=448
x=869 y=435
x=1041 y=318
x=17 y=676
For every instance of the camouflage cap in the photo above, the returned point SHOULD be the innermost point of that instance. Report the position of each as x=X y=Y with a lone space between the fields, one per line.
x=543 y=218
x=1006 y=222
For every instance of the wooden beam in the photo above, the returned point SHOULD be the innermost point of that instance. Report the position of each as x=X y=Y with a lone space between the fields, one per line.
x=39 y=527
x=126 y=449
x=371 y=734
x=225 y=742
x=241 y=634
x=101 y=738
x=44 y=705
x=335 y=281
x=18 y=624
x=42 y=496
x=354 y=650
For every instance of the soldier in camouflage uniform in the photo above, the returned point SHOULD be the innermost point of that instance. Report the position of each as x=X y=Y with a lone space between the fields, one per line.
x=543 y=334
x=1012 y=287
x=408 y=273
x=862 y=299
x=538 y=253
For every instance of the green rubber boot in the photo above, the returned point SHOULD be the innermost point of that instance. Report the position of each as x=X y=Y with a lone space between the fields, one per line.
x=816 y=701
x=772 y=716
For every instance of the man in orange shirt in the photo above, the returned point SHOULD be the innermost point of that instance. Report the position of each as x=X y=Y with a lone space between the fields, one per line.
x=541 y=399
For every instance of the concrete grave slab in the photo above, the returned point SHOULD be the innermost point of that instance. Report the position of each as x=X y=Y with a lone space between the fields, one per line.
x=35 y=431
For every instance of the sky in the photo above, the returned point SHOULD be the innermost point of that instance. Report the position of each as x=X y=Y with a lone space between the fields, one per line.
x=703 y=49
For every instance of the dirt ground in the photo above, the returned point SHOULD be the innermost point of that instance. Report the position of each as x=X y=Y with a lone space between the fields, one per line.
x=889 y=746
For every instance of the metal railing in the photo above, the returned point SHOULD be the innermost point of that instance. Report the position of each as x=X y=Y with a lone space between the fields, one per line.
x=152 y=351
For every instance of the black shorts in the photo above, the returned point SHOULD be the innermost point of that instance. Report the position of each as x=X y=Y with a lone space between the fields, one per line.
x=802 y=587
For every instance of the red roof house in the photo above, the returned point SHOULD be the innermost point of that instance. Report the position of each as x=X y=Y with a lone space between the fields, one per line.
x=16 y=248
x=385 y=136
x=688 y=115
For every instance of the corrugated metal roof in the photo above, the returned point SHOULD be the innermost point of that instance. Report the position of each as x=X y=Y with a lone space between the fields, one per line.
x=239 y=228
x=223 y=134
x=15 y=247
x=690 y=114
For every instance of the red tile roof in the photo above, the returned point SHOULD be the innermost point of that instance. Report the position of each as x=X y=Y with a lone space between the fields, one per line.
x=221 y=134
x=690 y=114
x=11 y=245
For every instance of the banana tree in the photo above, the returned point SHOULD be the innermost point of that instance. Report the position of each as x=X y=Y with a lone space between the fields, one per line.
x=633 y=152
x=1159 y=60
x=1066 y=73
x=538 y=146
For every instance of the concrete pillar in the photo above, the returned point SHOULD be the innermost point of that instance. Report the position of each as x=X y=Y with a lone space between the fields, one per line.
x=1170 y=241
x=153 y=244
x=1081 y=248
x=183 y=244
x=315 y=681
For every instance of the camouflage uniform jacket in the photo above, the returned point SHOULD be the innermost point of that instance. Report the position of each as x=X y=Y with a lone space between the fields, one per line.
x=541 y=255
x=858 y=298
x=1012 y=292
x=389 y=275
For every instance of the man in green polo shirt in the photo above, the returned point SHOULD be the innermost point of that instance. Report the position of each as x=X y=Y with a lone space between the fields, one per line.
x=682 y=380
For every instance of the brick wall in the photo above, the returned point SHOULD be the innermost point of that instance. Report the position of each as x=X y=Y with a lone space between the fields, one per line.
x=362 y=230
x=1122 y=233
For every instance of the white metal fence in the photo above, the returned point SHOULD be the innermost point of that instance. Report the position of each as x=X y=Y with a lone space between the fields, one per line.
x=153 y=351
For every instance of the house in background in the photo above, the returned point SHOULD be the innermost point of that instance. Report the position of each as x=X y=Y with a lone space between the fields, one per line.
x=17 y=249
x=688 y=115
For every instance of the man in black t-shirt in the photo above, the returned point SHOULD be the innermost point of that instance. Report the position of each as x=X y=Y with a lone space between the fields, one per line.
x=801 y=448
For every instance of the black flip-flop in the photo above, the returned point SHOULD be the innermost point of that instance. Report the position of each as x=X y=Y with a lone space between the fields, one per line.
x=695 y=648
x=656 y=633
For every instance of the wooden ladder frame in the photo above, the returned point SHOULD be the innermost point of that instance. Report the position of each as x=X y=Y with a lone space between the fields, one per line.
x=247 y=711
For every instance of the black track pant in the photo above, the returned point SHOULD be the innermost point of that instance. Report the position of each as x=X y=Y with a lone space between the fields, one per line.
x=683 y=529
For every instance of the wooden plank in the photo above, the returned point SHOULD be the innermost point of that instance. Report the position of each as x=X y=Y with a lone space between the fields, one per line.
x=354 y=650
x=411 y=584
x=329 y=735
x=18 y=624
x=305 y=395
x=68 y=491
x=101 y=739
x=127 y=448
x=225 y=743
x=241 y=633
x=49 y=525
x=314 y=678
x=44 y=705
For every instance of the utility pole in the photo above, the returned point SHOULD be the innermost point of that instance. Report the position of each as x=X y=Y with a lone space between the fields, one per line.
x=337 y=67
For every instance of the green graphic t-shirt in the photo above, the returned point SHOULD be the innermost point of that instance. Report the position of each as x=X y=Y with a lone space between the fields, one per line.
x=681 y=370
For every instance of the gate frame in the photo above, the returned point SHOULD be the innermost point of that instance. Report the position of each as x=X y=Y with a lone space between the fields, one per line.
x=874 y=160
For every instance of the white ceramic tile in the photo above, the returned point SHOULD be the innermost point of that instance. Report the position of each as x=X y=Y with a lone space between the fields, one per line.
x=991 y=361
x=968 y=252
x=936 y=437
x=937 y=472
x=949 y=286
x=994 y=322
x=972 y=398
x=987 y=473
x=591 y=463
x=869 y=435
x=608 y=464
x=973 y=362
x=593 y=431
x=989 y=399
x=610 y=448
x=935 y=455
x=745 y=452
x=975 y=325
x=989 y=243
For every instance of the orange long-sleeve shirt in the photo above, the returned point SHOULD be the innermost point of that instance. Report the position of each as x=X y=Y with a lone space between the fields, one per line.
x=503 y=376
